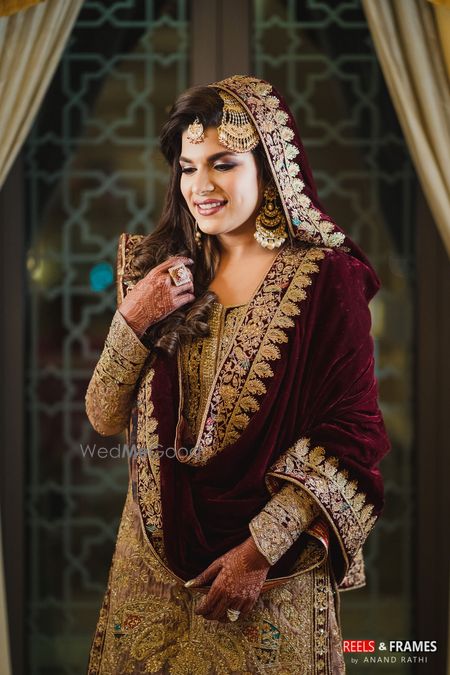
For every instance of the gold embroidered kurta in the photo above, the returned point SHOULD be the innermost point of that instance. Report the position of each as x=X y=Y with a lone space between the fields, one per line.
x=147 y=623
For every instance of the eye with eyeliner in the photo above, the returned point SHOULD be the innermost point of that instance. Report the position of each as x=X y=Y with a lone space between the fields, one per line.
x=222 y=166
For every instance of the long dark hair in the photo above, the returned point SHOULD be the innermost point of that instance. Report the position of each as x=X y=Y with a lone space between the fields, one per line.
x=174 y=234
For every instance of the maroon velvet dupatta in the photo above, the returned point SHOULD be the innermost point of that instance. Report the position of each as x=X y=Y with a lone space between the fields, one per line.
x=305 y=410
x=295 y=397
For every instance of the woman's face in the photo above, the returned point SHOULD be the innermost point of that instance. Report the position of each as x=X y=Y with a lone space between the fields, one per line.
x=221 y=188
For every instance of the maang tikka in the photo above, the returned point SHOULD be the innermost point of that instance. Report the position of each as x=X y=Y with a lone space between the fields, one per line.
x=271 y=222
x=195 y=132
x=236 y=130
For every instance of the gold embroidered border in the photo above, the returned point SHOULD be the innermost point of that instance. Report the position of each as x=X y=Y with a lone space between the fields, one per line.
x=125 y=249
x=349 y=514
x=190 y=362
x=311 y=647
x=273 y=126
x=109 y=393
x=356 y=575
x=148 y=471
x=240 y=382
x=321 y=609
x=98 y=640
x=199 y=358
x=283 y=519
x=269 y=351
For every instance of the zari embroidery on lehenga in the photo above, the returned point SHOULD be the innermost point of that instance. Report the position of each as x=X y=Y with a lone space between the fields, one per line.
x=147 y=623
x=147 y=463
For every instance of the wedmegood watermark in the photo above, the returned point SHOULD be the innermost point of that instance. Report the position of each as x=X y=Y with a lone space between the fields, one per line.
x=125 y=451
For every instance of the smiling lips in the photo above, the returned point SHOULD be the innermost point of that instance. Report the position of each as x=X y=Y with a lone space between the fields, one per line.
x=210 y=206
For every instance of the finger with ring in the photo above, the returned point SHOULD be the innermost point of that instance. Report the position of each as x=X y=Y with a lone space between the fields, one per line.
x=179 y=274
x=233 y=614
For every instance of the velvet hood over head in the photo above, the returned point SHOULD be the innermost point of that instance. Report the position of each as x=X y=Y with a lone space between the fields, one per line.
x=291 y=171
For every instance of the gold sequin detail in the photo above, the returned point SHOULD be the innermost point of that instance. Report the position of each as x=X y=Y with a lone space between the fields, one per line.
x=356 y=575
x=244 y=373
x=147 y=623
x=340 y=497
x=147 y=459
x=283 y=519
x=200 y=357
x=110 y=391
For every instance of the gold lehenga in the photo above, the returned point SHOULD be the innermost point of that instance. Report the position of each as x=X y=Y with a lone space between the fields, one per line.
x=147 y=622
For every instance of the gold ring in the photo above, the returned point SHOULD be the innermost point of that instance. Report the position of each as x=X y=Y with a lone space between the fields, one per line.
x=179 y=274
x=233 y=614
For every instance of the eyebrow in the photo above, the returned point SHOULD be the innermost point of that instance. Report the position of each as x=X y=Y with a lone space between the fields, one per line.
x=212 y=158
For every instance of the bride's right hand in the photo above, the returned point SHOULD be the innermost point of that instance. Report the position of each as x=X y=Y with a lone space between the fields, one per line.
x=155 y=296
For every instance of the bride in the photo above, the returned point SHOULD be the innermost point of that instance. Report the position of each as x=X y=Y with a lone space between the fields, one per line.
x=240 y=365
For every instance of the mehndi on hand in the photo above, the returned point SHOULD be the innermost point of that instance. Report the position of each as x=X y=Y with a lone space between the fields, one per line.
x=237 y=577
x=155 y=296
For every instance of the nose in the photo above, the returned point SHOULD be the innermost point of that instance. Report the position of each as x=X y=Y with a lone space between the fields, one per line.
x=202 y=183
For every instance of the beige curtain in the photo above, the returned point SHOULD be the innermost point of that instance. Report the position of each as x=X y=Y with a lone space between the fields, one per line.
x=8 y=7
x=442 y=16
x=31 y=43
x=408 y=47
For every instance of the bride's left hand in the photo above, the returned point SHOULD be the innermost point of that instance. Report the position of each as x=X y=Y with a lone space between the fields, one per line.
x=238 y=578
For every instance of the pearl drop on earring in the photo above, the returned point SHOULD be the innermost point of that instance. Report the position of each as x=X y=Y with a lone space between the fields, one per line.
x=198 y=236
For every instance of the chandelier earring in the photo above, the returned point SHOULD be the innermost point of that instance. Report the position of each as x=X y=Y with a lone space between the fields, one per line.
x=271 y=222
x=198 y=236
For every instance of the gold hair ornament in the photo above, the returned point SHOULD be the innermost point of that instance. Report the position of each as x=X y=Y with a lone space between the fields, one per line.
x=270 y=222
x=236 y=130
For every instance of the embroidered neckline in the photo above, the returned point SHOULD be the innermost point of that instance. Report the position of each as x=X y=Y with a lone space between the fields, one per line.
x=244 y=304
x=246 y=369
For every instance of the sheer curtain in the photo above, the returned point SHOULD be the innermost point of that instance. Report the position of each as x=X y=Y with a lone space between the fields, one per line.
x=407 y=41
x=31 y=43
